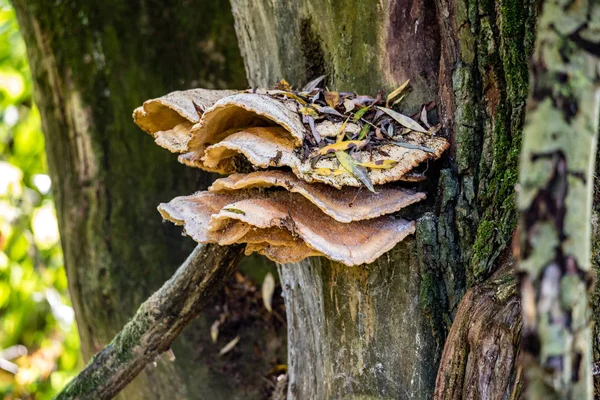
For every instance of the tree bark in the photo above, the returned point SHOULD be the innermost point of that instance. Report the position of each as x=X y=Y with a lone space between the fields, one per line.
x=555 y=202
x=378 y=330
x=92 y=64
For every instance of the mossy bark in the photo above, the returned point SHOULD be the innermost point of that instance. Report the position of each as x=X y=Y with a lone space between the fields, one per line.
x=555 y=201
x=92 y=64
x=471 y=56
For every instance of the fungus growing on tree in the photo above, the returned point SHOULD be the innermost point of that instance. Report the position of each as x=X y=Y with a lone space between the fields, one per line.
x=326 y=169
x=170 y=118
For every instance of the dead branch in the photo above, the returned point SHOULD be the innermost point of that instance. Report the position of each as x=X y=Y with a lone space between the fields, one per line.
x=156 y=324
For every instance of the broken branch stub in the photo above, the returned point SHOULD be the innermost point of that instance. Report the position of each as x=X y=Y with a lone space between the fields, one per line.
x=302 y=201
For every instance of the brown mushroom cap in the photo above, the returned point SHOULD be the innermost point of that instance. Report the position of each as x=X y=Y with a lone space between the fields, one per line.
x=169 y=118
x=245 y=110
x=194 y=213
x=351 y=243
x=266 y=147
x=344 y=205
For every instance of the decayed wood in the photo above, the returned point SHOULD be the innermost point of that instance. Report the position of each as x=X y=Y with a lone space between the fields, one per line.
x=156 y=324
x=555 y=200
x=481 y=352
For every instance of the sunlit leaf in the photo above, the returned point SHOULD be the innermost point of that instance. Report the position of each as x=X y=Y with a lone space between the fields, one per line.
x=214 y=331
x=309 y=111
x=349 y=105
x=332 y=99
x=328 y=171
x=229 y=346
x=356 y=170
x=340 y=133
x=379 y=164
x=267 y=289
x=341 y=146
x=404 y=120
x=396 y=92
x=283 y=85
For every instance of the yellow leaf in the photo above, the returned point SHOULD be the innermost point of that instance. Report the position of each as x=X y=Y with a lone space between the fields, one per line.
x=287 y=94
x=332 y=98
x=328 y=171
x=309 y=111
x=214 y=331
x=379 y=164
x=341 y=146
x=356 y=170
x=396 y=92
x=340 y=133
x=284 y=85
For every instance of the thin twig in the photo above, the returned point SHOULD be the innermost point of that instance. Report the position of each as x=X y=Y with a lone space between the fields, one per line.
x=156 y=324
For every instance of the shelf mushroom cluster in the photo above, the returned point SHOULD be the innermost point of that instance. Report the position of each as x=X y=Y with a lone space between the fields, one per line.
x=290 y=194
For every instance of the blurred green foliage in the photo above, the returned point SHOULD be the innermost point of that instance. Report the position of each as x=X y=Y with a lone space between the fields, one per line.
x=39 y=344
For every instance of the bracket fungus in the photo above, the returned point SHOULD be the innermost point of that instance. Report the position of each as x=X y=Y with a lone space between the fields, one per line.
x=298 y=162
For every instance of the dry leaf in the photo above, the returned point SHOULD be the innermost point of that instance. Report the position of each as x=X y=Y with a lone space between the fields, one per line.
x=332 y=99
x=268 y=288
x=340 y=134
x=312 y=85
x=328 y=171
x=341 y=146
x=309 y=111
x=356 y=170
x=423 y=117
x=396 y=92
x=214 y=331
x=412 y=146
x=404 y=120
x=229 y=346
x=349 y=105
x=379 y=164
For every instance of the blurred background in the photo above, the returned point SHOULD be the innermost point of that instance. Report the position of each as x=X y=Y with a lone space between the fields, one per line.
x=39 y=344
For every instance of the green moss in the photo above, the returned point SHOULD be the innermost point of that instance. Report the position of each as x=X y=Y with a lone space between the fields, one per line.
x=506 y=74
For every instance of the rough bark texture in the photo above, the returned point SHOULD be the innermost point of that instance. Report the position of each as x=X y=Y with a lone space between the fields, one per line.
x=92 y=64
x=470 y=56
x=156 y=324
x=480 y=356
x=555 y=201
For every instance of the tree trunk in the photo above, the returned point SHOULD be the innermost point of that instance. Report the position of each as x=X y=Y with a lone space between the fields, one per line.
x=93 y=63
x=378 y=330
